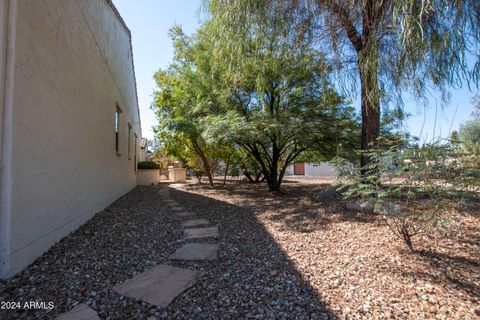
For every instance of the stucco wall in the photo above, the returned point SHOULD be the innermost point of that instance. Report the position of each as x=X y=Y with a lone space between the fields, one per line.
x=3 y=39
x=73 y=65
x=315 y=170
x=319 y=169
x=4 y=203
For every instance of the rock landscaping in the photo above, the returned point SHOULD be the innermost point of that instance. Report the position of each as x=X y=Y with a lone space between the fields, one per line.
x=258 y=255
x=355 y=264
x=239 y=271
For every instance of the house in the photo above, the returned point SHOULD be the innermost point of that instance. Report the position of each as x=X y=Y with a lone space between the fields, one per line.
x=311 y=169
x=143 y=149
x=69 y=121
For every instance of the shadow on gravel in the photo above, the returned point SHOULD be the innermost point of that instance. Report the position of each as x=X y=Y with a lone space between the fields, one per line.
x=132 y=235
x=328 y=240
x=304 y=215
x=454 y=271
x=253 y=277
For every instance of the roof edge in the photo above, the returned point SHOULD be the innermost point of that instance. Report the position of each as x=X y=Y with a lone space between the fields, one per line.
x=110 y=3
x=119 y=17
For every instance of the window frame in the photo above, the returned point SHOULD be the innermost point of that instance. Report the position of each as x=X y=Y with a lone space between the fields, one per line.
x=129 y=147
x=135 y=137
x=118 y=113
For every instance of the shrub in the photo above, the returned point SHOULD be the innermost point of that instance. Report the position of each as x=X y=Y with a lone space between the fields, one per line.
x=412 y=188
x=148 y=165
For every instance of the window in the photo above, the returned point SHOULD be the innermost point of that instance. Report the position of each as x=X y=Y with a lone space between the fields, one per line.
x=129 y=140
x=135 y=153
x=117 y=129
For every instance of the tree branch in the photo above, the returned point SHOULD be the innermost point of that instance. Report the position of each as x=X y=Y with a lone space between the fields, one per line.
x=352 y=33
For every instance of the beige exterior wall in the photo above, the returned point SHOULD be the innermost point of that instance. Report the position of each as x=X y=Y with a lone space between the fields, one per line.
x=147 y=177
x=72 y=66
x=321 y=169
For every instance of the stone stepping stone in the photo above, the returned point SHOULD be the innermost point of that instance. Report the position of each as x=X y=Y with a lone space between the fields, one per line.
x=196 y=233
x=184 y=214
x=80 y=312
x=195 y=223
x=196 y=251
x=158 y=286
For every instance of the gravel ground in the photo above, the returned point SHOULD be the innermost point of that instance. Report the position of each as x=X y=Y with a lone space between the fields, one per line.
x=352 y=261
x=253 y=276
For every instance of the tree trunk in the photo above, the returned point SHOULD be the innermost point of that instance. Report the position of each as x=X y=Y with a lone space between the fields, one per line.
x=273 y=184
x=368 y=69
x=408 y=240
x=273 y=180
x=206 y=165
x=210 y=177
x=199 y=177
x=248 y=175
x=226 y=171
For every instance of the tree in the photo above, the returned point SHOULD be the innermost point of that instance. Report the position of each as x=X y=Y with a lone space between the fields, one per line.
x=386 y=46
x=278 y=104
x=470 y=136
x=476 y=107
x=181 y=92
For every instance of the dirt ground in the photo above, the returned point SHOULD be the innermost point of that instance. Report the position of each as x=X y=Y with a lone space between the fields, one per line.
x=354 y=262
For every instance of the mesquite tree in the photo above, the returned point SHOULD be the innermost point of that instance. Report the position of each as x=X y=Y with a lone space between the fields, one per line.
x=386 y=47
x=279 y=103
x=181 y=93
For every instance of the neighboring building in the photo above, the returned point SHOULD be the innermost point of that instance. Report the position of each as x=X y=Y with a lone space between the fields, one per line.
x=321 y=169
x=70 y=125
x=143 y=150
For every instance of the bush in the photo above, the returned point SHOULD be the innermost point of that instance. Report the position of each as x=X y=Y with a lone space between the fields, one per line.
x=148 y=165
x=412 y=188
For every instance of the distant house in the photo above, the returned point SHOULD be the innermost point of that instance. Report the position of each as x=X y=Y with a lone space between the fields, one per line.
x=70 y=124
x=143 y=150
x=321 y=169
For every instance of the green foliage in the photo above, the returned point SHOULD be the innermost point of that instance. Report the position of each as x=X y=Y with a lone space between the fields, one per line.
x=413 y=188
x=383 y=47
x=278 y=104
x=469 y=135
x=184 y=92
x=148 y=165
x=160 y=156
x=476 y=107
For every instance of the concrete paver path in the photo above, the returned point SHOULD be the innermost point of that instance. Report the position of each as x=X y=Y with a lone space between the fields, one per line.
x=184 y=214
x=196 y=233
x=195 y=223
x=159 y=285
x=196 y=251
x=80 y=312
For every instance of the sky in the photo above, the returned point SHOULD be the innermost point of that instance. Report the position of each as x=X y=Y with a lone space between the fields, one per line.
x=150 y=20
